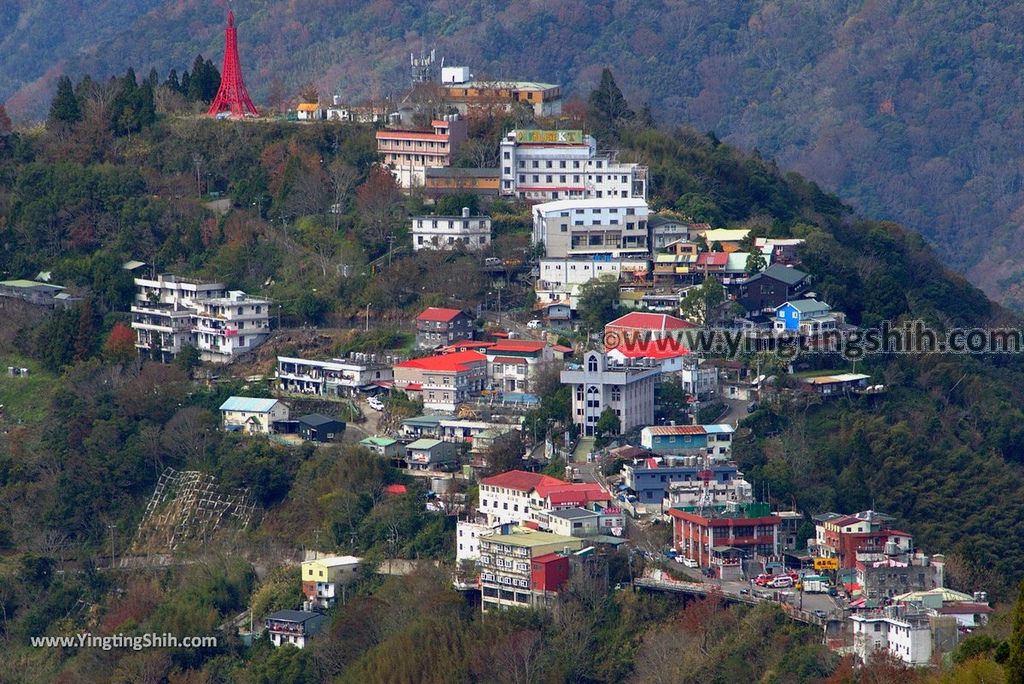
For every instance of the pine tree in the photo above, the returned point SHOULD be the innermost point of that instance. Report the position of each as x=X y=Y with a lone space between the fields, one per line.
x=211 y=81
x=197 y=84
x=186 y=83
x=608 y=109
x=172 y=82
x=65 y=107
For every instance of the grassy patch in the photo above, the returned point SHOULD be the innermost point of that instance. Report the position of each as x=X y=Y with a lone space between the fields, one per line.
x=24 y=399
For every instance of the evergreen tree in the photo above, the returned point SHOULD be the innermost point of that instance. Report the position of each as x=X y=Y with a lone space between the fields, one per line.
x=195 y=84
x=172 y=82
x=608 y=109
x=1015 y=664
x=186 y=83
x=211 y=82
x=153 y=79
x=65 y=107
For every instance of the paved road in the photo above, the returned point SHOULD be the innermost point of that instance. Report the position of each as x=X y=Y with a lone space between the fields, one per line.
x=737 y=411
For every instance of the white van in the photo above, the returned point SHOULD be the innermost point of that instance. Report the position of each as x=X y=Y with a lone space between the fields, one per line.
x=781 y=582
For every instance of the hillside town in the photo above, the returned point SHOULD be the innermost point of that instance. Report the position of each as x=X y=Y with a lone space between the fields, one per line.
x=580 y=421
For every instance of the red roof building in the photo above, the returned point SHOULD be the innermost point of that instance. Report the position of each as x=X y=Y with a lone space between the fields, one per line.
x=636 y=329
x=437 y=327
x=444 y=381
x=435 y=313
x=520 y=480
x=396 y=489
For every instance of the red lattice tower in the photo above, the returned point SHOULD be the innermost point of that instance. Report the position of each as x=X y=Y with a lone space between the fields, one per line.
x=232 y=96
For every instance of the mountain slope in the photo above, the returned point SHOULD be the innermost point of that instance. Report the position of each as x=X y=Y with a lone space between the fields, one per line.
x=909 y=110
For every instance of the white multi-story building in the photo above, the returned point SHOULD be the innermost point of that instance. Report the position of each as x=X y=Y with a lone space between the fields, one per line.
x=448 y=232
x=228 y=326
x=552 y=165
x=334 y=377
x=560 y=279
x=627 y=389
x=171 y=312
x=611 y=228
x=906 y=634
x=467 y=538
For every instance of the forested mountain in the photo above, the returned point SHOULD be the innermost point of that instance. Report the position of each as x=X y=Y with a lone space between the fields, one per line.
x=909 y=110
x=88 y=433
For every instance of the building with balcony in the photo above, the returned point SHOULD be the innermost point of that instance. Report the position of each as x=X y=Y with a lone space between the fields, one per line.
x=323 y=578
x=430 y=454
x=650 y=479
x=544 y=165
x=807 y=317
x=513 y=364
x=676 y=265
x=171 y=312
x=559 y=279
x=709 y=537
x=610 y=228
x=627 y=389
x=293 y=627
x=524 y=568
x=443 y=381
x=345 y=377
x=409 y=153
x=450 y=232
x=36 y=293
x=451 y=180
x=225 y=327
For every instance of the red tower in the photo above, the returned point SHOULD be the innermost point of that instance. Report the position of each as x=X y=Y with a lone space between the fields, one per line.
x=232 y=96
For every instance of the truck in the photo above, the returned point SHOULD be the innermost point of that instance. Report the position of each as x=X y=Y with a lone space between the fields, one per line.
x=815 y=584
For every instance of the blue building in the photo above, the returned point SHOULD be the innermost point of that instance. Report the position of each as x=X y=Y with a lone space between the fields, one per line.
x=695 y=440
x=806 y=316
x=649 y=479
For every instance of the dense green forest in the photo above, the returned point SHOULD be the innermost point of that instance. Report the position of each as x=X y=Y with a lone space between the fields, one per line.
x=909 y=110
x=275 y=208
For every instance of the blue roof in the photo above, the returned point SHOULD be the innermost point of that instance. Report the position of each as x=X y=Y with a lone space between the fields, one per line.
x=248 y=404
x=718 y=428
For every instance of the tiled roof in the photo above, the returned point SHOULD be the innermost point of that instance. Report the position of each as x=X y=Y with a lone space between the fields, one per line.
x=650 y=321
x=459 y=361
x=519 y=361
x=518 y=346
x=435 y=313
x=520 y=480
x=668 y=430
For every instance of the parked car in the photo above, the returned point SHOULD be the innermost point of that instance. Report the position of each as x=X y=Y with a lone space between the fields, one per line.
x=781 y=582
x=492 y=261
x=534 y=324
x=375 y=403
x=752 y=407
x=670 y=553
x=820 y=613
x=744 y=592
x=690 y=563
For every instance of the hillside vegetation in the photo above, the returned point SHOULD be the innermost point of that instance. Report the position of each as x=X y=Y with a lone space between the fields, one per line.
x=909 y=110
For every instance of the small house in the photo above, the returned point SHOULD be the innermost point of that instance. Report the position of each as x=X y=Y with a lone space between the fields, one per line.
x=252 y=415
x=384 y=446
x=293 y=627
x=309 y=111
x=320 y=428
x=428 y=454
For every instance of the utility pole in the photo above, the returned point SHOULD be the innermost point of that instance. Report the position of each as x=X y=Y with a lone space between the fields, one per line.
x=367 y=317
x=111 y=527
x=391 y=241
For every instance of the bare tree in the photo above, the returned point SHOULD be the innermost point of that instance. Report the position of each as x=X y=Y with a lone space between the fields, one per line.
x=342 y=177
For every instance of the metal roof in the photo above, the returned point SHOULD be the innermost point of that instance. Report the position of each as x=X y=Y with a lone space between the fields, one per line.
x=573 y=514
x=248 y=404
x=424 y=443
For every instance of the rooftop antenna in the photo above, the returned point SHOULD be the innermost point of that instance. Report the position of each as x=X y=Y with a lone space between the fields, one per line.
x=422 y=67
